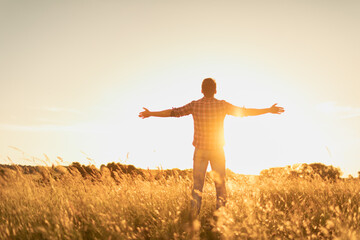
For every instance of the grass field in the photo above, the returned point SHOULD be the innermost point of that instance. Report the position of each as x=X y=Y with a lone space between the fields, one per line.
x=65 y=203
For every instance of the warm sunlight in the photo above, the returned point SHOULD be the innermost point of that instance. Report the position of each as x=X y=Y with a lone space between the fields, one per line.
x=76 y=94
x=113 y=113
x=155 y=143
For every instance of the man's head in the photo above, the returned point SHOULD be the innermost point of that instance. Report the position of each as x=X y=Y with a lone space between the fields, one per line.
x=208 y=87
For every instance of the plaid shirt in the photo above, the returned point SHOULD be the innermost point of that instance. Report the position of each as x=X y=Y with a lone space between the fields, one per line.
x=208 y=115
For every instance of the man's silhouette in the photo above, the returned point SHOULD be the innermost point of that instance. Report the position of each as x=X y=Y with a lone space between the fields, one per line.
x=209 y=114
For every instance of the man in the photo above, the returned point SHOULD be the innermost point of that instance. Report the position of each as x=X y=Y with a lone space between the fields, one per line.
x=209 y=114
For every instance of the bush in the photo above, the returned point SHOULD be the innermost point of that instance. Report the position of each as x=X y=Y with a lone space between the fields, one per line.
x=305 y=171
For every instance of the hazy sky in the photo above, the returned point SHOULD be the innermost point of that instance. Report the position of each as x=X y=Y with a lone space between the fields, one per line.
x=75 y=74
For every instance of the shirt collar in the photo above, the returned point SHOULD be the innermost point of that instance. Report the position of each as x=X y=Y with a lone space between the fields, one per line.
x=208 y=99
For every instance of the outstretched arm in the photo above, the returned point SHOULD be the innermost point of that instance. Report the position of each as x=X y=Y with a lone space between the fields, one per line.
x=255 y=112
x=146 y=113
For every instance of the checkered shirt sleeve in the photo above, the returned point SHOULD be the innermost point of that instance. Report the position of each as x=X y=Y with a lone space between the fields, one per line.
x=182 y=111
x=234 y=110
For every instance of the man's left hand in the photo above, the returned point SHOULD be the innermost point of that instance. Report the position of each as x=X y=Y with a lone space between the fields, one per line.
x=276 y=110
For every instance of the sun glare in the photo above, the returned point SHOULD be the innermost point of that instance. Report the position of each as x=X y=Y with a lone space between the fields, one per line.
x=252 y=143
x=114 y=133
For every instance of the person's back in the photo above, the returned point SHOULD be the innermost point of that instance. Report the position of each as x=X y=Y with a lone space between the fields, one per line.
x=208 y=114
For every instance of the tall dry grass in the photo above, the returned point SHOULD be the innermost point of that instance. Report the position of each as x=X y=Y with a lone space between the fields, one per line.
x=44 y=206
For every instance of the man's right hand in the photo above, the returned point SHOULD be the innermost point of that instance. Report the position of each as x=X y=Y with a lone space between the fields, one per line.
x=145 y=114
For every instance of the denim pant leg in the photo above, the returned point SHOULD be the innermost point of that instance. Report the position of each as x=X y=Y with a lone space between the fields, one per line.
x=217 y=162
x=201 y=161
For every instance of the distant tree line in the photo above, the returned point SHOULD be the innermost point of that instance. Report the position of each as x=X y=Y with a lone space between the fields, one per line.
x=113 y=171
x=116 y=172
x=304 y=171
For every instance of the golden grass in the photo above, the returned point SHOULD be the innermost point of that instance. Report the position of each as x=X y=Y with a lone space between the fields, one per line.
x=40 y=206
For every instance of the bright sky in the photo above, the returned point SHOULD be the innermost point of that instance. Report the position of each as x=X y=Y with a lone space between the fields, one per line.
x=75 y=74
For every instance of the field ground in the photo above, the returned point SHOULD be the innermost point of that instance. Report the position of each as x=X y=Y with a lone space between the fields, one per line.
x=125 y=203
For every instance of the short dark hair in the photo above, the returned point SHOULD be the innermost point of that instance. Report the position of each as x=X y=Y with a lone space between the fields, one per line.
x=208 y=87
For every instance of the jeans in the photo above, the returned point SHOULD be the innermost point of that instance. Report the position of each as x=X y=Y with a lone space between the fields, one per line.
x=202 y=157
